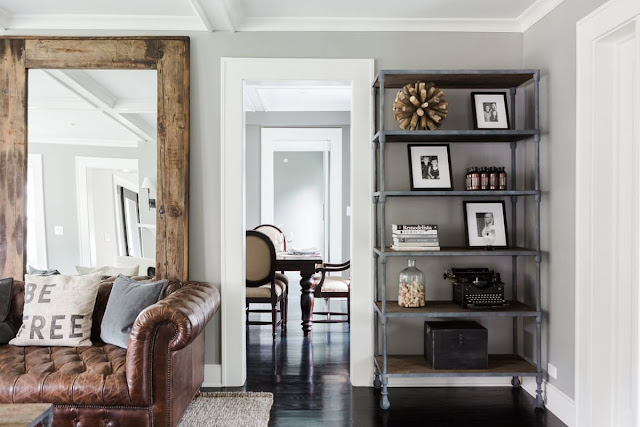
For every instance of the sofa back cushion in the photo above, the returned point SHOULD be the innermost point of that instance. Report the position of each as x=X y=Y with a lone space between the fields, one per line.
x=104 y=291
x=128 y=298
x=58 y=310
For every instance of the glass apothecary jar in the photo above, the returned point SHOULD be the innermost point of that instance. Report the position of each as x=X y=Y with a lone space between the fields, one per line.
x=411 y=286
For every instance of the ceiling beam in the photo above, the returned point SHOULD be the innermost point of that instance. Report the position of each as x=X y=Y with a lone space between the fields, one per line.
x=90 y=90
x=197 y=8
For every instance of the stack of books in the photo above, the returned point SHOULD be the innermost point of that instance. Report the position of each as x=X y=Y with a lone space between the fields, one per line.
x=420 y=237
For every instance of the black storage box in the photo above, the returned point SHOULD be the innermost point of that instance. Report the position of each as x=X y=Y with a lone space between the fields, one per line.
x=455 y=345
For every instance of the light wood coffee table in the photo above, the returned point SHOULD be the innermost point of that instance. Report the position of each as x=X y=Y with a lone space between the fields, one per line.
x=26 y=414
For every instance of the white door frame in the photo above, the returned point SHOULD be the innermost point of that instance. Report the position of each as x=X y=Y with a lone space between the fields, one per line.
x=87 y=245
x=607 y=217
x=234 y=72
x=35 y=166
x=327 y=140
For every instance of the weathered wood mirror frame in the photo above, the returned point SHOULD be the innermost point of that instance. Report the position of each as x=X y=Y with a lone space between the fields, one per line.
x=170 y=56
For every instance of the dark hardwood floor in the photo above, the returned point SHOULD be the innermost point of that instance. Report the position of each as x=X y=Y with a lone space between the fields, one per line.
x=309 y=378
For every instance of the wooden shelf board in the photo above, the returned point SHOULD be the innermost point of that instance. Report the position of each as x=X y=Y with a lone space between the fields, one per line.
x=460 y=251
x=440 y=135
x=499 y=365
x=451 y=309
x=454 y=193
x=456 y=79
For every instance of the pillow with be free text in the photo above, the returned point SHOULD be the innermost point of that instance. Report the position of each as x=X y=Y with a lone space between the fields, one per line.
x=58 y=310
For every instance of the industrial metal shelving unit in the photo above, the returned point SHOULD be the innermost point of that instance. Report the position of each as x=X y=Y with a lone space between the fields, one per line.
x=500 y=365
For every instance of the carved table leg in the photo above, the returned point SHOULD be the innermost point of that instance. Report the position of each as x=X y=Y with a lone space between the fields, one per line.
x=306 y=302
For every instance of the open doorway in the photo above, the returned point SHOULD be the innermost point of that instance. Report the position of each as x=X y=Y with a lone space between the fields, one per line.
x=297 y=178
x=236 y=72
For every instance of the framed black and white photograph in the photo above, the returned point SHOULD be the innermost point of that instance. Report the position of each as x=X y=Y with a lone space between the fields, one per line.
x=485 y=224
x=430 y=167
x=489 y=110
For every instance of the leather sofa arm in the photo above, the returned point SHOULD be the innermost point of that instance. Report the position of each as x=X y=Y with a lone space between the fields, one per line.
x=183 y=314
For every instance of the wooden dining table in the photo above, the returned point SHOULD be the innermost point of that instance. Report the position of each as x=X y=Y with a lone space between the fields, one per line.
x=306 y=266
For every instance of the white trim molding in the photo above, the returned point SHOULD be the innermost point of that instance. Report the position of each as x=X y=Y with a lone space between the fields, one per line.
x=227 y=15
x=555 y=401
x=536 y=12
x=608 y=317
x=197 y=8
x=105 y=22
x=212 y=375
x=234 y=73
x=34 y=165
x=306 y=23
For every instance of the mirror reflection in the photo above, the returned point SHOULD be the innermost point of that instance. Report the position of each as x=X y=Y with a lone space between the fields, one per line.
x=92 y=171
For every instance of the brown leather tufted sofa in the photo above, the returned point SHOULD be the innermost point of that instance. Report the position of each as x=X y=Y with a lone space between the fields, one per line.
x=150 y=383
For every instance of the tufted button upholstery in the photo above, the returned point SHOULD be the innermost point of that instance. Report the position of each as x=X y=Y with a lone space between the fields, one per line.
x=64 y=375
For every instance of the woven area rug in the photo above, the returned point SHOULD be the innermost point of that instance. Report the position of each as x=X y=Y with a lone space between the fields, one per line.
x=227 y=409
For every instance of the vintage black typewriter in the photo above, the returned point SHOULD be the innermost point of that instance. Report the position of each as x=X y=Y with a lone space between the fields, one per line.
x=476 y=287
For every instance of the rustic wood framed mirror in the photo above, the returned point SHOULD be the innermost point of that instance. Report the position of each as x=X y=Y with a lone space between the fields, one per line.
x=170 y=57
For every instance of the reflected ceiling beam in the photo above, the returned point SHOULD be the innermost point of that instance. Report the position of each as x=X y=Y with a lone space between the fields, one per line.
x=135 y=106
x=90 y=90
x=197 y=8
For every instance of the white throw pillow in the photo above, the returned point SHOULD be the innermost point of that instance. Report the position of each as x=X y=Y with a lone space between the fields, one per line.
x=58 y=310
x=107 y=270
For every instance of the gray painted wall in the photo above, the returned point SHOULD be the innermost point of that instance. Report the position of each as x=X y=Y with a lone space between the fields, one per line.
x=550 y=45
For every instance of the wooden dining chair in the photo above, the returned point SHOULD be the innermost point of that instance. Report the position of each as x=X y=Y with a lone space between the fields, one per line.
x=281 y=246
x=328 y=287
x=262 y=286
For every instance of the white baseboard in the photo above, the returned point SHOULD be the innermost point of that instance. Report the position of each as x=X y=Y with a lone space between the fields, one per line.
x=555 y=401
x=212 y=376
x=451 y=382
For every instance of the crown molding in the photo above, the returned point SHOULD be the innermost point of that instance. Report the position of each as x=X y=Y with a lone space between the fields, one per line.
x=197 y=8
x=233 y=18
x=536 y=12
x=105 y=22
x=380 y=24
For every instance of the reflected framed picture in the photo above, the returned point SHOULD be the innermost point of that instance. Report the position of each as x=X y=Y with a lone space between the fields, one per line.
x=489 y=110
x=485 y=224
x=430 y=167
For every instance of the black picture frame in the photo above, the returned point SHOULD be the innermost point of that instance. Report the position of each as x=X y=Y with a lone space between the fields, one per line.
x=482 y=100
x=422 y=174
x=475 y=236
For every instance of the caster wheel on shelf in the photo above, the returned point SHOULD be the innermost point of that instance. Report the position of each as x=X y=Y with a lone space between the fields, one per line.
x=384 y=403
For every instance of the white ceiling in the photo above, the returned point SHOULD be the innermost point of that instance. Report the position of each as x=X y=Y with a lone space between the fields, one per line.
x=297 y=96
x=115 y=108
x=275 y=15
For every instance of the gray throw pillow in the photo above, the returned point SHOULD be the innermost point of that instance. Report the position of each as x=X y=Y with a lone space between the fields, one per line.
x=36 y=272
x=6 y=333
x=128 y=298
